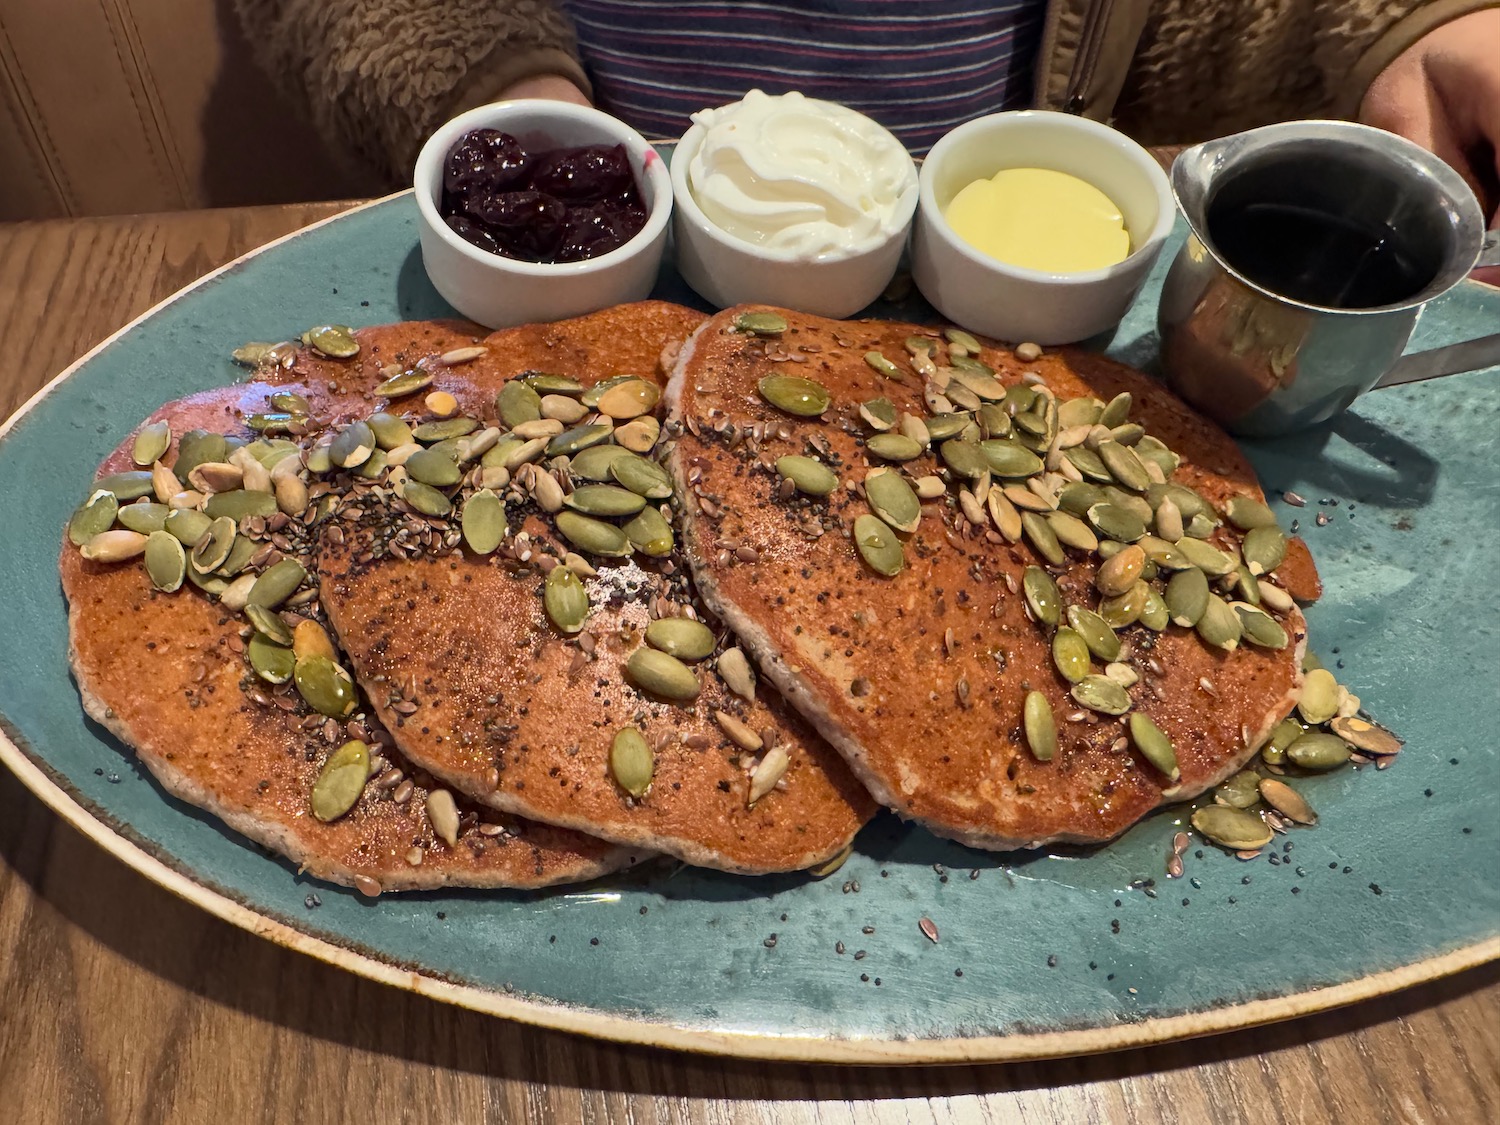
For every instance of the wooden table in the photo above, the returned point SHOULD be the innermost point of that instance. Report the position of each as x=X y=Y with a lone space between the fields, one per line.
x=118 y=1002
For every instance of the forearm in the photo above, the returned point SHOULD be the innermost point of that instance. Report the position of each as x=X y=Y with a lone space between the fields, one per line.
x=377 y=76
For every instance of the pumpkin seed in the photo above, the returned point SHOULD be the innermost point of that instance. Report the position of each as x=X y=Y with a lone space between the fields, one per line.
x=650 y=533
x=212 y=550
x=151 y=443
x=878 y=413
x=1242 y=791
x=518 y=403
x=1123 y=610
x=94 y=516
x=1248 y=513
x=445 y=429
x=426 y=499
x=318 y=460
x=640 y=435
x=1072 y=531
x=809 y=476
x=210 y=584
x=1200 y=527
x=941 y=427
x=1117 y=412
x=605 y=500
x=1287 y=732
x=483 y=521
x=267 y=423
x=1070 y=654
x=629 y=399
x=196 y=447
x=804 y=397
x=1260 y=628
x=289 y=402
x=1088 y=464
x=570 y=442
x=1019 y=398
x=433 y=467
x=333 y=340
x=1319 y=701
x=1101 y=694
x=1042 y=539
x=1219 y=626
x=1154 y=744
x=1209 y=559
x=761 y=323
x=268 y=623
x=565 y=599
x=641 y=475
x=592 y=536
x=311 y=639
x=144 y=518
x=894 y=447
x=1365 y=736
x=352 y=446
x=272 y=662
x=277 y=583
x=187 y=525
x=1235 y=829
x=1120 y=573
x=1095 y=632
x=544 y=383
x=631 y=762
x=883 y=366
x=594 y=462
x=893 y=500
x=1042 y=596
x=325 y=686
x=240 y=556
x=1187 y=597
x=656 y=672
x=878 y=545
x=681 y=637
x=341 y=781
x=390 y=431
x=126 y=486
x=594 y=393
x=1041 y=728
x=1010 y=459
x=166 y=561
x=974 y=385
x=1264 y=549
x=253 y=354
x=993 y=421
x=1124 y=465
x=1287 y=801
x=1115 y=522
x=962 y=339
x=1162 y=553
x=1154 y=614
x=1077 y=497
x=1318 y=751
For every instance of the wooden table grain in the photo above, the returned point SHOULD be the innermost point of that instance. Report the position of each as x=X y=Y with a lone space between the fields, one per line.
x=121 y=1003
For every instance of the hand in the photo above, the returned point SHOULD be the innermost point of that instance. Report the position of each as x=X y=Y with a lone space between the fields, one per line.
x=1443 y=92
x=553 y=86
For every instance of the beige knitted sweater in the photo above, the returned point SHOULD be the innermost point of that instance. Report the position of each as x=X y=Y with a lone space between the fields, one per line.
x=377 y=76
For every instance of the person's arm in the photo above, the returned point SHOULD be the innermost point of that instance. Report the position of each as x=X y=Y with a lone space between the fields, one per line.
x=376 y=77
x=1443 y=91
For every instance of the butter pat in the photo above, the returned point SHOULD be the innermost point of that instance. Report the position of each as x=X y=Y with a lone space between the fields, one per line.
x=1039 y=219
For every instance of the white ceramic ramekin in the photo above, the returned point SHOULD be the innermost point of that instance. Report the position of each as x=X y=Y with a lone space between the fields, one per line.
x=1010 y=303
x=725 y=270
x=500 y=292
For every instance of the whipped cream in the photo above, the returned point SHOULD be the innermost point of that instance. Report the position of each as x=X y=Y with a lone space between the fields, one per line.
x=800 y=176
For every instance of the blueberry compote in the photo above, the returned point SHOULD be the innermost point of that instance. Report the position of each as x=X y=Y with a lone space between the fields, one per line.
x=561 y=205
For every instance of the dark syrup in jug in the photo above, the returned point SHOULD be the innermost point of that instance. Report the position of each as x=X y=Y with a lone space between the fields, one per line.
x=1315 y=256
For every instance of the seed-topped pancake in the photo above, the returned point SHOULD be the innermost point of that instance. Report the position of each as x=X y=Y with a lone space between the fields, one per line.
x=165 y=661
x=510 y=595
x=963 y=566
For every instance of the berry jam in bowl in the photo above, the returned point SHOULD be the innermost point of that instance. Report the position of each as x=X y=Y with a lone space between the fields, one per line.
x=540 y=210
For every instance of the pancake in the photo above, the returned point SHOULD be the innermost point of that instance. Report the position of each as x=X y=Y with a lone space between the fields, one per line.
x=166 y=673
x=481 y=688
x=920 y=679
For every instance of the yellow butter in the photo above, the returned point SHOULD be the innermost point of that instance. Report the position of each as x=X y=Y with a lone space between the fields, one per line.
x=1039 y=219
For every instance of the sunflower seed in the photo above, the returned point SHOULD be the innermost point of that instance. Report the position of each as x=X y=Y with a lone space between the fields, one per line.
x=768 y=771
x=739 y=732
x=734 y=670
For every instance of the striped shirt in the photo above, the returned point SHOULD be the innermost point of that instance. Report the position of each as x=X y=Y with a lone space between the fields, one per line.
x=919 y=67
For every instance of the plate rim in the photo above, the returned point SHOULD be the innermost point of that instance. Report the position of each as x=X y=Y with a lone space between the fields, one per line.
x=556 y=1016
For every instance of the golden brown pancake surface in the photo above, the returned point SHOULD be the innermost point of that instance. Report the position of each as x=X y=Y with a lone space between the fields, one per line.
x=920 y=679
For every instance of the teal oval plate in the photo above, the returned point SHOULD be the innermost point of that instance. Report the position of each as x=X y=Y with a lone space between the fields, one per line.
x=1024 y=955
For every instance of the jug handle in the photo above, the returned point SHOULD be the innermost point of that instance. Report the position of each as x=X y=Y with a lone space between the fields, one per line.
x=1454 y=359
x=1489 y=253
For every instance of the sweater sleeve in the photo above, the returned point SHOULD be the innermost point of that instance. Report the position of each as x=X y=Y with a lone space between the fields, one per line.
x=1204 y=70
x=376 y=77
